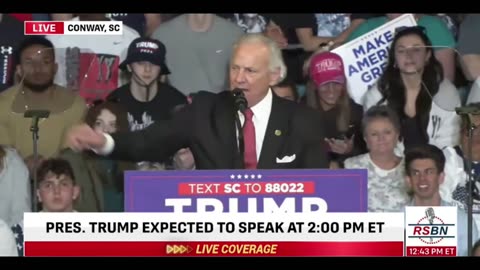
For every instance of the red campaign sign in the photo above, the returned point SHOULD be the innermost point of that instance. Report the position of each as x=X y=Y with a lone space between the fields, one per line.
x=226 y=188
x=98 y=75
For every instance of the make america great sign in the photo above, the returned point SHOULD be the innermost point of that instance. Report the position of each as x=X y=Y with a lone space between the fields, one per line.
x=365 y=57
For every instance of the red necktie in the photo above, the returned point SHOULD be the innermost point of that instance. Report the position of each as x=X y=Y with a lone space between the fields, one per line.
x=250 y=153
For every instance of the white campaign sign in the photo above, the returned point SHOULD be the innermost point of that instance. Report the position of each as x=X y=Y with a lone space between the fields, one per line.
x=340 y=227
x=365 y=57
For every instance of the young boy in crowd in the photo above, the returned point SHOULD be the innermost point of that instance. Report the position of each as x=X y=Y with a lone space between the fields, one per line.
x=57 y=189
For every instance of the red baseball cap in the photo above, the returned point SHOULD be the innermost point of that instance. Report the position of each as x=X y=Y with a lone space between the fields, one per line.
x=327 y=67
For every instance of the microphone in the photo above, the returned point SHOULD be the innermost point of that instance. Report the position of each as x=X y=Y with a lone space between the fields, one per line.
x=36 y=115
x=241 y=104
x=240 y=101
x=430 y=214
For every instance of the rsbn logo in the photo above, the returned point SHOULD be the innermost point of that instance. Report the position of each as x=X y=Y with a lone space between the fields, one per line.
x=431 y=229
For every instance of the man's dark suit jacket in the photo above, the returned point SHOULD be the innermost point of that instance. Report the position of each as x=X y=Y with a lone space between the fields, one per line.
x=208 y=127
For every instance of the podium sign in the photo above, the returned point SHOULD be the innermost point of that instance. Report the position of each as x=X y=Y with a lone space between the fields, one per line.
x=246 y=191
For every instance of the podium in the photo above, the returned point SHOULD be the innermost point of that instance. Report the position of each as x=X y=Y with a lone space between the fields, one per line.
x=252 y=191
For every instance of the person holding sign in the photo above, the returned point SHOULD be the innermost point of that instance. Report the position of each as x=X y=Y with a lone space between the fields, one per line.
x=277 y=133
x=413 y=85
x=327 y=92
x=436 y=30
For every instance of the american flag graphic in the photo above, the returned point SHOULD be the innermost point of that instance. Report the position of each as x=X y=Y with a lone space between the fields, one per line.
x=18 y=232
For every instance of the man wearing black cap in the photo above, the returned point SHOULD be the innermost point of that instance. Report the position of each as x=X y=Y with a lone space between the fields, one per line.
x=146 y=98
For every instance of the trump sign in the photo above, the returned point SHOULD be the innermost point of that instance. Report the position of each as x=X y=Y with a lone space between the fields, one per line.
x=246 y=191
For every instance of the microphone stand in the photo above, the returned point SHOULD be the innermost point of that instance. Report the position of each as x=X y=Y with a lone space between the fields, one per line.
x=35 y=115
x=240 y=104
x=470 y=183
x=34 y=130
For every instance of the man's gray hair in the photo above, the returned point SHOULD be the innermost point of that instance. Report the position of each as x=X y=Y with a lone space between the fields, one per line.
x=275 y=59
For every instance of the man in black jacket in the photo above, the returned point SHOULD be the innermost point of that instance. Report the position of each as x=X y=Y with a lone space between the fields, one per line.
x=280 y=135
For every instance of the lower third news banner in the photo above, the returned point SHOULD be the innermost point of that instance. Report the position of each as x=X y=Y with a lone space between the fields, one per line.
x=225 y=234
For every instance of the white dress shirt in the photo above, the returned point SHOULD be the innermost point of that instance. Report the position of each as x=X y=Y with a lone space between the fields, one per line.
x=261 y=115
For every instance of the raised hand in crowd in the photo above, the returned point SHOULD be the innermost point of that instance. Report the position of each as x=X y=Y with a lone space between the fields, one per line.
x=274 y=32
x=83 y=137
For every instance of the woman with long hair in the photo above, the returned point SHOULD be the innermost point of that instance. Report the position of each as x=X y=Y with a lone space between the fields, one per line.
x=327 y=93
x=413 y=85
x=100 y=178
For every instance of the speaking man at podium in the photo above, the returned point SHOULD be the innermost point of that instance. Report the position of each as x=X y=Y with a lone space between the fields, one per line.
x=276 y=133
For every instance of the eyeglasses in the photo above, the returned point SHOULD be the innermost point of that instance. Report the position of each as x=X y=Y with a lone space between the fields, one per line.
x=417 y=28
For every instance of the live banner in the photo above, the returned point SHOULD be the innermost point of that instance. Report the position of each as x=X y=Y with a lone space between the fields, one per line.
x=365 y=57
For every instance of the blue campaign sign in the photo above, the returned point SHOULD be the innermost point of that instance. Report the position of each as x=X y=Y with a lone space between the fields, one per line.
x=252 y=191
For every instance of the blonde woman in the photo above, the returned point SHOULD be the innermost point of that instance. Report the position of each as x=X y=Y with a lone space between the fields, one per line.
x=327 y=93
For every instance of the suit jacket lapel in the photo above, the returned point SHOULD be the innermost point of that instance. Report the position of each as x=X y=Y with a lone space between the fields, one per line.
x=275 y=134
x=224 y=115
